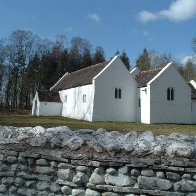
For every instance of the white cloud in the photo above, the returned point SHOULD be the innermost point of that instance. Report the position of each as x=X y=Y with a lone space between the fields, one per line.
x=95 y=17
x=145 y=16
x=179 y=10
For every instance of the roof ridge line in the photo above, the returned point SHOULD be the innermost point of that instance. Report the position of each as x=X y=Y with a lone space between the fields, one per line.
x=153 y=69
x=88 y=67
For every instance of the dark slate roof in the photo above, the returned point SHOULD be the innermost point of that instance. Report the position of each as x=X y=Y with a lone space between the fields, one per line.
x=80 y=77
x=145 y=76
x=48 y=96
x=193 y=91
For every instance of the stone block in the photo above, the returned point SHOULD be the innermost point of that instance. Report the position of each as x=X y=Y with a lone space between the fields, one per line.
x=64 y=166
x=43 y=193
x=82 y=168
x=173 y=176
x=54 y=187
x=119 y=180
x=90 y=192
x=135 y=172
x=186 y=177
x=192 y=170
x=44 y=170
x=10 y=159
x=65 y=174
x=78 y=192
x=147 y=172
x=31 y=192
x=6 y=174
x=30 y=184
x=22 y=191
x=37 y=141
x=4 y=167
x=27 y=176
x=185 y=186
x=97 y=179
x=152 y=183
x=42 y=162
x=7 y=180
x=66 y=190
x=19 y=182
x=80 y=178
x=53 y=164
x=12 y=190
x=41 y=185
x=123 y=170
x=43 y=177
x=111 y=171
x=2 y=188
x=175 y=168
x=105 y=187
x=160 y=174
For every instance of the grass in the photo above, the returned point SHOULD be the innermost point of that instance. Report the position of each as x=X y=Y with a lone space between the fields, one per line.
x=25 y=121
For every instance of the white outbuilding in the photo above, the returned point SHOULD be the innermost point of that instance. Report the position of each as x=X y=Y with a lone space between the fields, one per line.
x=108 y=91
x=47 y=103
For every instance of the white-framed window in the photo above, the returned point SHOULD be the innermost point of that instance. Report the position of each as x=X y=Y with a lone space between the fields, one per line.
x=84 y=98
x=170 y=94
x=118 y=93
x=139 y=102
x=65 y=98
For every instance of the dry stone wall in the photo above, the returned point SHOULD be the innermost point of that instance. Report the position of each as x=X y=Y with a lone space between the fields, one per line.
x=58 y=161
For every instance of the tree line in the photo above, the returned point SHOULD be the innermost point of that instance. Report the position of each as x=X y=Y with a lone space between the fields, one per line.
x=29 y=62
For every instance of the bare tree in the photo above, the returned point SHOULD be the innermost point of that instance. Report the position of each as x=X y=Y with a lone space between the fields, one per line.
x=20 y=49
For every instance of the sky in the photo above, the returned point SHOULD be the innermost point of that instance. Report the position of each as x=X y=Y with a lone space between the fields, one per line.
x=166 y=26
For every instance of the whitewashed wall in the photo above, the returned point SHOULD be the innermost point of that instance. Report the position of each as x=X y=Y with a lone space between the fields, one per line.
x=106 y=107
x=193 y=114
x=35 y=105
x=74 y=106
x=164 y=111
x=137 y=105
x=50 y=109
x=46 y=108
x=145 y=104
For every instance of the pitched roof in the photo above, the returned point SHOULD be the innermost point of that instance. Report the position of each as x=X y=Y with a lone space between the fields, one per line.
x=48 y=96
x=145 y=76
x=193 y=91
x=79 y=78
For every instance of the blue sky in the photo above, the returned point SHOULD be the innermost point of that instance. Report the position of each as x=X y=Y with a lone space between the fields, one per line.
x=167 y=26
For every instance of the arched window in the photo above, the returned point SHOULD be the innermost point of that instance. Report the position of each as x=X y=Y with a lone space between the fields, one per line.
x=84 y=98
x=118 y=93
x=168 y=94
x=172 y=94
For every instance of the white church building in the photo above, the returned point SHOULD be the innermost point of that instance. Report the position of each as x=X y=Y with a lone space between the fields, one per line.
x=110 y=92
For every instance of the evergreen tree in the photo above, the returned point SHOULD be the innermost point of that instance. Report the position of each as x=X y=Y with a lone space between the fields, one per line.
x=143 y=62
x=117 y=53
x=87 y=59
x=74 y=60
x=99 y=55
x=125 y=59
